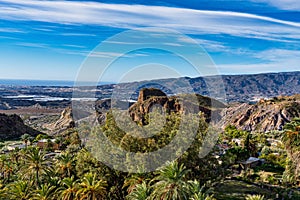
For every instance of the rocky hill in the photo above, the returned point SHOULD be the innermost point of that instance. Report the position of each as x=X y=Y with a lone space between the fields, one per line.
x=12 y=127
x=63 y=123
x=264 y=116
x=150 y=97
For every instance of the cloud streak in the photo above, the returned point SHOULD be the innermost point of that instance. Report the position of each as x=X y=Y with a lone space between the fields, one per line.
x=11 y=30
x=188 y=21
x=282 y=4
x=271 y=60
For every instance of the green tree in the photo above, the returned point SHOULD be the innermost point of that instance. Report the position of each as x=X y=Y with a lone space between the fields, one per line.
x=232 y=132
x=35 y=164
x=255 y=197
x=8 y=170
x=250 y=144
x=66 y=165
x=68 y=189
x=45 y=192
x=25 y=138
x=140 y=192
x=170 y=183
x=291 y=140
x=91 y=188
x=196 y=191
x=20 y=190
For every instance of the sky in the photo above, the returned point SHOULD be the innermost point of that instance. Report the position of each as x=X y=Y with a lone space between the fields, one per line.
x=52 y=39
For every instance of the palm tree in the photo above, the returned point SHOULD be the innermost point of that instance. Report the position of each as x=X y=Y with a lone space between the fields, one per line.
x=53 y=180
x=25 y=138
x=170 y=183
x=291 y=140
x=196 y=191
x=35 y=164
x=255 y=197
x=15 y=156
x=140 y=192
x=91 y=188
x=19 y=190
x=69 y=189
x=201 y=196
x=133 y=180
x=7 y=168
x=45 y=192
x=291 y=133
x=65 y=164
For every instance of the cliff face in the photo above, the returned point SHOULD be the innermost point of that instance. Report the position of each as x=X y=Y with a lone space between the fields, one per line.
x=65 y=122
x=148 y=98
x=266 y=115
x=13 y=127
x=147 y=93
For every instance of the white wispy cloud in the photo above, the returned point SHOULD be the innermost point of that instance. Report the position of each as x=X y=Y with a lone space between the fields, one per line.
x=282 y=4
x=79 y=34
x=270 y=60
x=255 y=68
x=35 y=45
x=279 y=55
x=100 y=54
x=133 y=16
x=74 y=46
x=11 y=30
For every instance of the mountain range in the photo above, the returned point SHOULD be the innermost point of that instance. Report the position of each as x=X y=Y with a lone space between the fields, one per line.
x=238 y=88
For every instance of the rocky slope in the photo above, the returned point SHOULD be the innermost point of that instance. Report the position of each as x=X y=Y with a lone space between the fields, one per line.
x=148 y=98
x=12 y=127
x=63 y=123
x=266 y=115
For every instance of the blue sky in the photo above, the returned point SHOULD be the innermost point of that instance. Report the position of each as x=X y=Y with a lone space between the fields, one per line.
x=51 y=39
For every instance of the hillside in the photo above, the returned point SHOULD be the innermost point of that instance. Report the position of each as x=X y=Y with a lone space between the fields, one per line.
x=63 y=123
x=263 y=116
x=13 y=127
x=266 y=115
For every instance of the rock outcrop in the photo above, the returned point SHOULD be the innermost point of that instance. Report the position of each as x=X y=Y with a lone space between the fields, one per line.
x=12 y=127
x=266 y=115
x=102 y=106
x=63 y=123
x=147 y=93
x=148 y=98
x=5 y=106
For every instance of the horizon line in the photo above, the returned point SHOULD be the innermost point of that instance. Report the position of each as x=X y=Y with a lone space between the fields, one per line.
x=113 y=82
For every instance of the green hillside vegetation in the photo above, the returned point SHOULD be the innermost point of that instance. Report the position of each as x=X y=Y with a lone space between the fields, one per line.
x=72 y=172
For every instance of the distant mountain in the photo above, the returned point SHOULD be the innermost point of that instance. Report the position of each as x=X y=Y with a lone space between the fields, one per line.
x=238 y=88
x=252 y=87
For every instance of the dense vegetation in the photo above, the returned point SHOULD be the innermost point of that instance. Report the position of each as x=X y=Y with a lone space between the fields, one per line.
x=73 y=172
